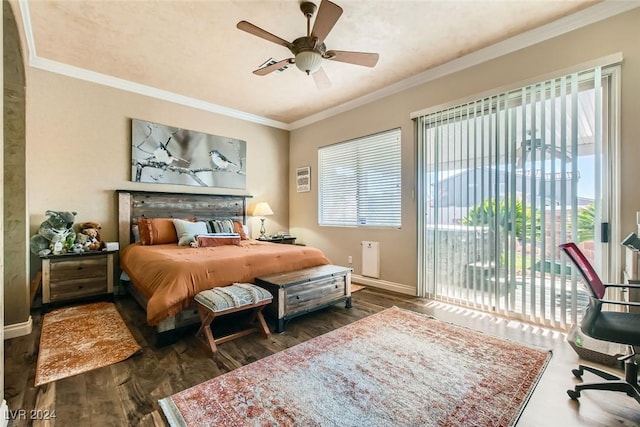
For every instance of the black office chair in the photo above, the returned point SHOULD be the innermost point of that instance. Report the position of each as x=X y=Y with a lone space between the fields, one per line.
x=613 y=326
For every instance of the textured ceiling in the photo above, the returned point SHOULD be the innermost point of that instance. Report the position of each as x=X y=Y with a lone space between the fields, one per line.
x=193 y=48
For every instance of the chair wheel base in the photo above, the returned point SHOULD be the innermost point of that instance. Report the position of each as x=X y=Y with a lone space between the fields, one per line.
x=577 y=373
x=573 y=394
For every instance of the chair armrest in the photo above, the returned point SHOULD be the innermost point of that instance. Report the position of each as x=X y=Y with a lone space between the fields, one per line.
x=619 y=285
x=630 y=303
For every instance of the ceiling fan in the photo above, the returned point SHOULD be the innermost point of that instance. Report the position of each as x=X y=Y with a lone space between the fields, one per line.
x=309 y=51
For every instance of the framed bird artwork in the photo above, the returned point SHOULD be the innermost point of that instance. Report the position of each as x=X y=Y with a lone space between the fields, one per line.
x=170 y=155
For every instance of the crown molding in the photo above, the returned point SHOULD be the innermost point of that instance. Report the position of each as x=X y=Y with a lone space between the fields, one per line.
x=91 y=76
x=598 y=12
x=129 y=86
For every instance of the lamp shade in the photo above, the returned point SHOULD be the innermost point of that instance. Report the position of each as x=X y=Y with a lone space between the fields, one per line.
x=308 y=61
x=262 y=209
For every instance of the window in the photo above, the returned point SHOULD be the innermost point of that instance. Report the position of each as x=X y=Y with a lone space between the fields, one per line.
x=360 y=182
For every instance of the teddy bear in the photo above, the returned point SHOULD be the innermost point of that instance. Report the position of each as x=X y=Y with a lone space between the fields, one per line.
x=89 y=236
x=55 y=234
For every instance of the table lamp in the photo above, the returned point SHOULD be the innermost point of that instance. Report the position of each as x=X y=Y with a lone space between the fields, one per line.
x=262 y=209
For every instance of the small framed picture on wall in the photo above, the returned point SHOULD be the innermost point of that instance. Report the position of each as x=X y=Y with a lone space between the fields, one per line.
x=303 y=179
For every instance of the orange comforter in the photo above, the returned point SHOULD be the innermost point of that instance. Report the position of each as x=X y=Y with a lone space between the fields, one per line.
x=171 y=275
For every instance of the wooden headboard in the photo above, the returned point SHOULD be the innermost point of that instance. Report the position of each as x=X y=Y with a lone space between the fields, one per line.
x=151 y=204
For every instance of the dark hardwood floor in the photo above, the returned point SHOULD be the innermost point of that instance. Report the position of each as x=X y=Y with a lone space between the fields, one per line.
x=127 y=393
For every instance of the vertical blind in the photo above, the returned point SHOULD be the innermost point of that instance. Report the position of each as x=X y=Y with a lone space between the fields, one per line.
x=360 y=182
x=502 y=181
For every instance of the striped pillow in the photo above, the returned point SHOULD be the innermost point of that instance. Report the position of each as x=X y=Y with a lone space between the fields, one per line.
x=226 y=226
x=220 y=226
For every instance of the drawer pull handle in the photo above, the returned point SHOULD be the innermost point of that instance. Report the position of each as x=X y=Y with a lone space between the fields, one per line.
x=79 y=268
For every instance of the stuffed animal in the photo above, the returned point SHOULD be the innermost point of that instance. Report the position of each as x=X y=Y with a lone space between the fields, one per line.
x=89 y=236
x=55 y=234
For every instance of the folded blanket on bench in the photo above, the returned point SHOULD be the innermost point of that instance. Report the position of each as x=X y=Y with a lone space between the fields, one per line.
x=236 y=295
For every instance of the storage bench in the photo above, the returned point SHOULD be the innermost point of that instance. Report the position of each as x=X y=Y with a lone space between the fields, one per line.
x=302 y=291
x=217 y=302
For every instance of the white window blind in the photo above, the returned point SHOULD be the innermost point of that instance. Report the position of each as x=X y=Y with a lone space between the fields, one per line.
x=502 y=182
x=360 y=182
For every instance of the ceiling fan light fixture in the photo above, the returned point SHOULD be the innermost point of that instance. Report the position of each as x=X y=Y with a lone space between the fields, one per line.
x=308 y=61
x=309 y=50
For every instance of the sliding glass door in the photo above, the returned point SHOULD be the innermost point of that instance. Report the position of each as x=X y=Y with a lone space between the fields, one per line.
x=502 y=181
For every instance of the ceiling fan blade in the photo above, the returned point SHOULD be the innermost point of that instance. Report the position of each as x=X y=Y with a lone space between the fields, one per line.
x=358 y=58
x=321 y=79
x=273 y=67
x=328 y=14
x=257 y=31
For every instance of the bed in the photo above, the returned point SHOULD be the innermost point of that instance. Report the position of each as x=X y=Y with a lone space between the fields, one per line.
x=164 y=278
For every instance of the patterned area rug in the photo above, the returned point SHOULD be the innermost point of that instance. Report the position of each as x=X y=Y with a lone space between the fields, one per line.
x=395 y=368
x=79 y=339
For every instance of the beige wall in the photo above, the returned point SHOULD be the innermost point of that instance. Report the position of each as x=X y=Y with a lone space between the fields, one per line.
x=398 y=247
x=79 y=150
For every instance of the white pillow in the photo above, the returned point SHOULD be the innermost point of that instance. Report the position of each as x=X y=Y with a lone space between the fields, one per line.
x=187 y=230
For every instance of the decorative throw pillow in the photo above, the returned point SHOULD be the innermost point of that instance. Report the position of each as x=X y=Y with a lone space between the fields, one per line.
x=156 y=231
x=217 y=239
x=187 y=230
x=238 y=227
x=220 y=226
x=226 y=226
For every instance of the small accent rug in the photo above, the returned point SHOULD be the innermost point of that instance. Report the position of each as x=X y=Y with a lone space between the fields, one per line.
x=393 y=368
x=80 y=339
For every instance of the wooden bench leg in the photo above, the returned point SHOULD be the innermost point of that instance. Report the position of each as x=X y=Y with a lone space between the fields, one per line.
x=207 y=317
x=263 y=327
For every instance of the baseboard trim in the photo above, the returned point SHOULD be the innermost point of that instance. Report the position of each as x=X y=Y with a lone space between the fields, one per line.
x=18 y=329
x=383 y=284
x=4 y=414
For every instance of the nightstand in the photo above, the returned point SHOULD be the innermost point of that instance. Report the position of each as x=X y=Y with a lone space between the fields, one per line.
x=69 y=277
x=287 y=240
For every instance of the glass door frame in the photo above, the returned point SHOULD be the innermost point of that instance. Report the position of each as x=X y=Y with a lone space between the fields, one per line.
x=609 y=253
